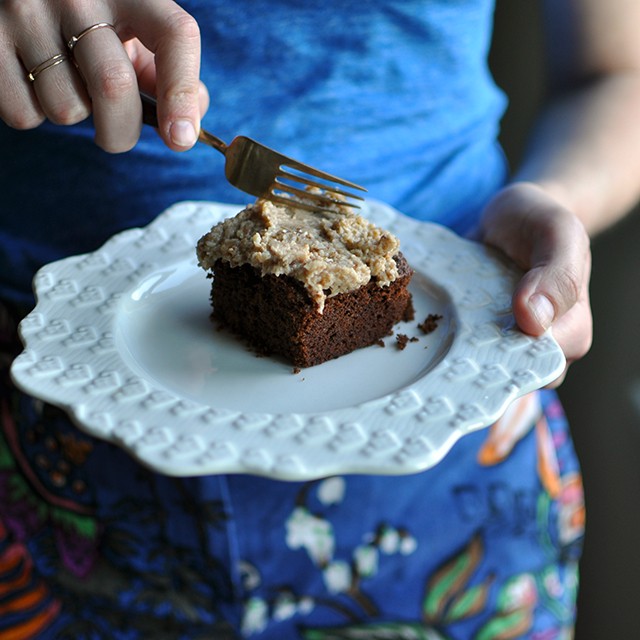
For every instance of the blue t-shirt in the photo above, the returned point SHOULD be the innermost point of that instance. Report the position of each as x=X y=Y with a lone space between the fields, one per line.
x=392 y=94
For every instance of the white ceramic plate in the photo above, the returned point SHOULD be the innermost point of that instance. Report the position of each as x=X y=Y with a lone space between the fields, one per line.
x=121 y=339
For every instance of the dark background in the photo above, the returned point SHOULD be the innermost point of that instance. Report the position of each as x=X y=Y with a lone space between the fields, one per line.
x=602 y=392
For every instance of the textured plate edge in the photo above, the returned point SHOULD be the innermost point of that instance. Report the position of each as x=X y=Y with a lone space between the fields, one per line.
x=76 y=410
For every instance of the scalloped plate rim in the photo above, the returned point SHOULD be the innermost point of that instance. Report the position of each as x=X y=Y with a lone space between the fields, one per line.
x=297 y=469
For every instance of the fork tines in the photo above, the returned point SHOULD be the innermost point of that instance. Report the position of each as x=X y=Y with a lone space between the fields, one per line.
x=325 y=197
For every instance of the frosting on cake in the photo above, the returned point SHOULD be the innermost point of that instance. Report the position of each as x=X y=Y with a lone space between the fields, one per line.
x=330 y=253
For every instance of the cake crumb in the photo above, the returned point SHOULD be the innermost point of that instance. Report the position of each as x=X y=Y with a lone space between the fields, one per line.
x=296 y=370
x=380 y=343
x=430 y=323
x=403 y=340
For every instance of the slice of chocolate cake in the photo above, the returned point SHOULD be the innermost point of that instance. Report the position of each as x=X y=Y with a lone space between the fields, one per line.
x=306 y=286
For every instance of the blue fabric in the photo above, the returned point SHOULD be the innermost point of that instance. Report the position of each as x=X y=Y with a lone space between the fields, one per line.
x=393 y=94
x=478 y=546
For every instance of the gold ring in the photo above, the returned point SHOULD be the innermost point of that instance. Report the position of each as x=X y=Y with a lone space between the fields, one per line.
x=100 y=25
x=47 y=64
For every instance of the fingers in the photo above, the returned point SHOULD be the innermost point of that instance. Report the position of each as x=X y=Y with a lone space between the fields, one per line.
x=559 y=270
x=574 y=332
x=59 y=90
x=100 y=75
x=552 y=247
x=549 y=243
x=567 y=312
x=111 y=84
x=40 y=81
x=144 y=63
x=19 y=107
x=174 y=37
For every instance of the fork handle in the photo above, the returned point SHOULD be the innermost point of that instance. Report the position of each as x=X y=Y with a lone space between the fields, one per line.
x=150 y=117
x=149 y=110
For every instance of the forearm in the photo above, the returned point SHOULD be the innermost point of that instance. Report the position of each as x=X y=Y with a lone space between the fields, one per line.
x=585 y=150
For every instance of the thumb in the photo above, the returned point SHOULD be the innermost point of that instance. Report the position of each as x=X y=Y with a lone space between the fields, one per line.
x=557 y=281
x=539 y=299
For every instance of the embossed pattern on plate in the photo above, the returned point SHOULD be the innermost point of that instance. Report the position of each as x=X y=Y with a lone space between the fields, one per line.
x=121 y=339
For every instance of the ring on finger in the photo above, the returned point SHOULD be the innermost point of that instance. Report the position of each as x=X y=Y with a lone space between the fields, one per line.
x=47 y=64
x=73 y=41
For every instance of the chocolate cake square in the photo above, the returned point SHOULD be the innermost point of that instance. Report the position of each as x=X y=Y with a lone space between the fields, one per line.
x=306 y=286
x=276 y=315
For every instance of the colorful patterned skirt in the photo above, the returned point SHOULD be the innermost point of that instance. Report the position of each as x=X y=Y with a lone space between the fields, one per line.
x=92 y=545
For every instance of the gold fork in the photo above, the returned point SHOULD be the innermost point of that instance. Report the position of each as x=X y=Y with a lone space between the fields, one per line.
x=265 y=173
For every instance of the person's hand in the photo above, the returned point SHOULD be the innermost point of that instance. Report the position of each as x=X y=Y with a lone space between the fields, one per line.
x=552 y=246
x=154 y=45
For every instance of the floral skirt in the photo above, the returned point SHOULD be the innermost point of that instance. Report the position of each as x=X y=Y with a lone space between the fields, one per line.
x=92 y=545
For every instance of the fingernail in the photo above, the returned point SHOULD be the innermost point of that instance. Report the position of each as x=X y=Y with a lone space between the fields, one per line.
x=183 y=133
x=542 y=309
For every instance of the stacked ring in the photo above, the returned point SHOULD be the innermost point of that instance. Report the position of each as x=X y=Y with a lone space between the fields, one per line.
x=62 y=57
x=73 y=41
x=47 y=64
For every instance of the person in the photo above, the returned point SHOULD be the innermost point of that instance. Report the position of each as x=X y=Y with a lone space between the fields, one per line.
x=395 y=96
